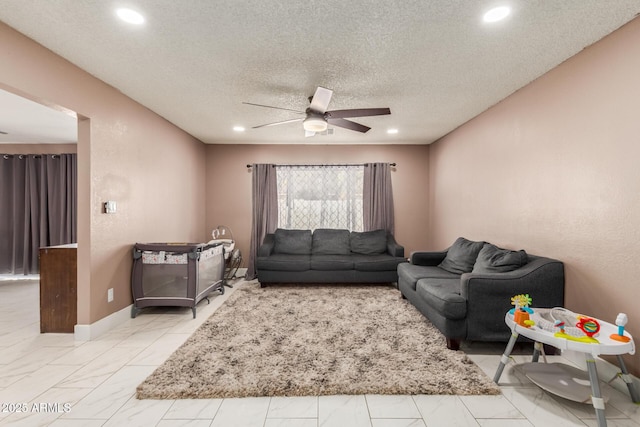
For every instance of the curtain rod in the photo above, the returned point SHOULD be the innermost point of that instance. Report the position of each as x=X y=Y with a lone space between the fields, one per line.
x=357 y=164
x=22 y=156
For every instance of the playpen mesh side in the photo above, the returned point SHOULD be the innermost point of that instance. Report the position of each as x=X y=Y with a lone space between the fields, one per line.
x=164 y=280
x=210 y=268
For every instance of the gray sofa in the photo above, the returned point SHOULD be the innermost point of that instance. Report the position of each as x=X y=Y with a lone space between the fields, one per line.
x=466 y=290
x=329 y=256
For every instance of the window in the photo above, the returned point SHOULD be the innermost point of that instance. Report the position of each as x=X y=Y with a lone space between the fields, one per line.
x=311 y=197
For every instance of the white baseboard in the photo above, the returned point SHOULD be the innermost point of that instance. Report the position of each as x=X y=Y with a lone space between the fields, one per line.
x=606 y=370
x=94 y=330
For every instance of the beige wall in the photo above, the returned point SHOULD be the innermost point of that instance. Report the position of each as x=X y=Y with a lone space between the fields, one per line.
x=554 y=169
x=229 y=183
x=126 y=153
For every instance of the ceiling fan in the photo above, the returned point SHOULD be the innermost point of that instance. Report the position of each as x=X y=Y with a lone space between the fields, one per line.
x=317 y=118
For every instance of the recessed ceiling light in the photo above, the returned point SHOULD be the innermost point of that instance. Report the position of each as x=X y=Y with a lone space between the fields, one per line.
x=238 y=129
x=130 y=16
x=392 y=131
x=497 y=14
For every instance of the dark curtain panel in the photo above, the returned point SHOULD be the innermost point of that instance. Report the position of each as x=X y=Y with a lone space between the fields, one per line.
x=265 y=210
x=38 y=200
x=377 y=197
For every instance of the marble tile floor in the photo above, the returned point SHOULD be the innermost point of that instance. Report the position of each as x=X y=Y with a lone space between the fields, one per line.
x=56 y=381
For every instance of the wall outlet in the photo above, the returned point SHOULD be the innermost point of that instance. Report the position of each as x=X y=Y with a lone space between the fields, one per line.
x=110 y=295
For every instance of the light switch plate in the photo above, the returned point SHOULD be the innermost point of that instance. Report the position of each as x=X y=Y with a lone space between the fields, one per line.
x=110 y=207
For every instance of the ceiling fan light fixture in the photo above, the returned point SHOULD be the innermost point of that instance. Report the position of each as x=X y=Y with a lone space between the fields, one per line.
x=317 y=117
x=314 y=124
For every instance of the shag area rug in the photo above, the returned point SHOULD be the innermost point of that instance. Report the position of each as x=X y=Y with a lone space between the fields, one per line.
x=312 y=340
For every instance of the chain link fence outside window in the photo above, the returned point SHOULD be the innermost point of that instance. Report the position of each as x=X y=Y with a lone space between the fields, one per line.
x=311 y=197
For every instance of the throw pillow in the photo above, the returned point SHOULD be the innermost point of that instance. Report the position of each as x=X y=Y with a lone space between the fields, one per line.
x=369 y=242
x=461 y=256
x=330 y=242
x=292 y=242
x=493 y=259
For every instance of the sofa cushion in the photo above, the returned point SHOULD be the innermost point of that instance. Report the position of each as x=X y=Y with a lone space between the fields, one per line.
x=294 y=242
x=492 y=259
x=411 y=273
x=284 y=262
x=369 y=242
x=444 y=296
x=330 y=242
x=461 y=256
x=331 y=262
x=377 y=262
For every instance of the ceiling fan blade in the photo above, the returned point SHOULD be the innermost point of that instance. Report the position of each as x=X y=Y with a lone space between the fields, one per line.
x=277 y=123
x=358 y=112
x=308 y=133
x=348 y=124
x=276 y=108
x=320 y=100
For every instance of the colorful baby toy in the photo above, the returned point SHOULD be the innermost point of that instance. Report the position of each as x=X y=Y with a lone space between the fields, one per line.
x=567 y=329
x=588 y=325
x=621 y=321
x=521 y=311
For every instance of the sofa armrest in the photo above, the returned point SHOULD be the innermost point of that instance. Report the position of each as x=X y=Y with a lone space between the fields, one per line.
x=266 y=248
x=427 y=258
x=489 y=295
x=393 y=248
x=541 y=278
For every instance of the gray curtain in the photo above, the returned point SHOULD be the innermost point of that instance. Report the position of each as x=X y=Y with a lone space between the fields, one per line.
x=38 y=207
x=377 y=197
x=265 y=210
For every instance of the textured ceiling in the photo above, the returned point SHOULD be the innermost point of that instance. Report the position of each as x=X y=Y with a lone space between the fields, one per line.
x=434 y=63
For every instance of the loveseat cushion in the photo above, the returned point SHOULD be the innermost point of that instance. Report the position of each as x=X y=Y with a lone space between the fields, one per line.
x=444 y=296
x=330 y=242
x=294 y=242
x=411 y=273
x=461 y=256
x=369 y=242
x=284 y=262
x=377 y=262
x=492 y=259
x=331 y=262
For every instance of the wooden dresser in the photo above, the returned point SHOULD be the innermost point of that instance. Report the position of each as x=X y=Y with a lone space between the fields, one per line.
x=58 y=288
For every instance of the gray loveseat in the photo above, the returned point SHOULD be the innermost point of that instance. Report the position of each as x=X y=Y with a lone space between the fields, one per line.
x=466 y=290
x=329 y=256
